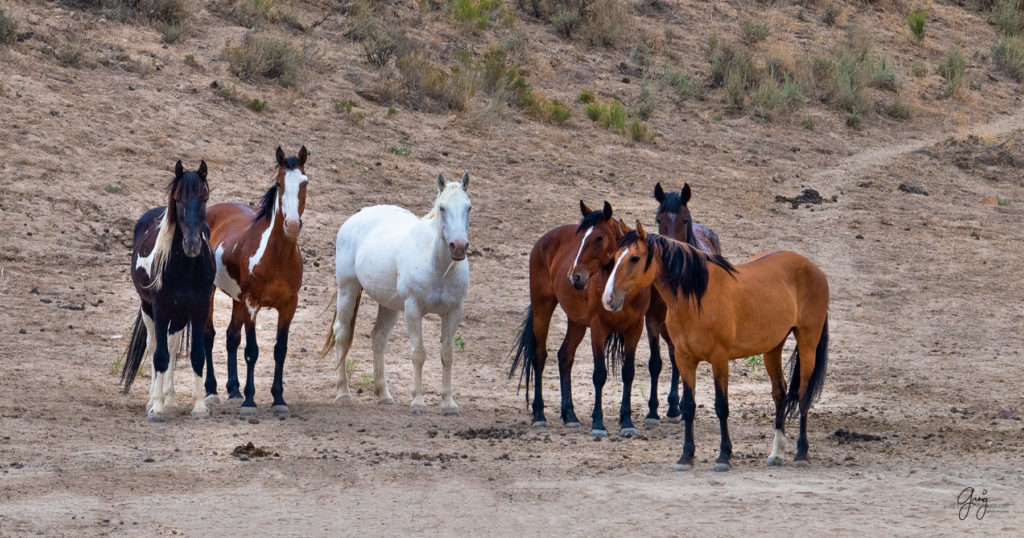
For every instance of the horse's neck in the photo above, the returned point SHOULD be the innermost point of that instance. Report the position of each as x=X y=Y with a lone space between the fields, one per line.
x=277 y=242
x=432 y=242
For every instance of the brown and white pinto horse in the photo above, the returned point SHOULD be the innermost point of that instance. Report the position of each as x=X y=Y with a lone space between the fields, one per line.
x=259 y=266
x=717 y=312
x=562 y=264
x=674 y=221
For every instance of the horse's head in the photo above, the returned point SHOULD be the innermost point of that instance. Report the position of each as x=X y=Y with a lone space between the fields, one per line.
x=452 y=208
x=291 y=184
x=633 y=270
x=673 y=216
x=598 y=233
x=187 y=198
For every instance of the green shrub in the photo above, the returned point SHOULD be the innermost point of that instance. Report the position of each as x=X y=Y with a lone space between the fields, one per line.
x=1008 y=17
x=615 y=117
x=919 y=69
x=768 y=99
x=70 y=53
x=952 y=70
x=8 y=30
x=645 y=102
x=269 y=58
x=606 y=22
x=753 y=33
x=735 y=88
x=170 y=31
x=565 y=21
x=585 y=97
x=898 y=109
x=916 y=21
x=718 y=117
x=1008 y=55
x=476 y=12
x=853 y=120
x=807 y=123
x=681 y=84
x=190 y=60
x=594 y=111
x=401 y=151
x=256 y=105
x=884 y=75
x=832 y=12
x=558 y=113
x=640 y=131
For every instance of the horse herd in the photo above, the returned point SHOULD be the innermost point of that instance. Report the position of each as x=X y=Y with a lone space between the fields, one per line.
x=607 y=277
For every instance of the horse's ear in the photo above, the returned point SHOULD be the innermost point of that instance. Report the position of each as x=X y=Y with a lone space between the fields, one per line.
x=302 y=156
x=280 y=156
x=441 y=181
x=465 y=180
x=685 y=194
x=607 y=210
x=202 y=170
x=622 y=226
x=659 y=194
x=179 y=170
x=584 y=209
x=640 y=233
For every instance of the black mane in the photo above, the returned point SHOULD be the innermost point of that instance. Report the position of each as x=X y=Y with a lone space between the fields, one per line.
x=592 y=219
x=291 y=163
x=267 y=204
x=684 y=267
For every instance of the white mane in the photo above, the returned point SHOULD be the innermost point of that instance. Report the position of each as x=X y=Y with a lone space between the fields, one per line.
x=156 y=261
x=451 y=189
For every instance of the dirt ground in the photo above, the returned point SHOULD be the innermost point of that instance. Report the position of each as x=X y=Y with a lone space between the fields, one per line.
x=926 y=315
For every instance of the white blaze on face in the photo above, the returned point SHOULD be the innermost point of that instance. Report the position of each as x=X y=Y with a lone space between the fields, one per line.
x=582 y=244
x=223 y=280
x=264 y=239
x=609 y=287
x=293 y=180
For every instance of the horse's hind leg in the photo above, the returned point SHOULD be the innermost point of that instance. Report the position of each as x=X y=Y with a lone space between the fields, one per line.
x=252 y=353
x=414 y=323
x=284 y=322
x=349 y=295
x=543 y=307
x=673 y=414
x=381 y=330
x=806 y=342
x=233 y=337
x=173 y=348
x=598 y=340
x=566 y=357
x=720 y=371
x=155 y=390
x=773 y=364
x=632 y=338
x=449 y=324
x=209 y=333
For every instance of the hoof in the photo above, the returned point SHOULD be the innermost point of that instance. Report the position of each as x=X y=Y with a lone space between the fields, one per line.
x=418 y=410
x=387 y=400
x=721 y=467
x=801 y=463
x=674 y=419
x=627 y=432
x=212 y=399
x=774 y=462
x=196 y=415
x=599 y=433
x=450 y=412
x=235 y=396
x=280 y=410
x=683 y=467
x=247 y=411
x=344 y=399
x=539 y=424
x=652 y=422
x=153 y=417
x=572 y=424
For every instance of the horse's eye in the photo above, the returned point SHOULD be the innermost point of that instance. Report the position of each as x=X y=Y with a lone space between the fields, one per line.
x=600 y=238
x=634 y=259
x=443 y=209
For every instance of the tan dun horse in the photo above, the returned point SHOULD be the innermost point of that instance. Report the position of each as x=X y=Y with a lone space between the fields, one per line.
x=259 y=266
x=717 y=312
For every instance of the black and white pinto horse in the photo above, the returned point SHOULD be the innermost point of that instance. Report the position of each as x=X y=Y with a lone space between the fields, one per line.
x=173 y=272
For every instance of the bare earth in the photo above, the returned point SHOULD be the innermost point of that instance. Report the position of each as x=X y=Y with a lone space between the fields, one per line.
x=926 y=314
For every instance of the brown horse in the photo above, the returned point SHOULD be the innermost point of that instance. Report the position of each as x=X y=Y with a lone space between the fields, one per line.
x=717 y=312
x=562 y=264
x=259 y=266
x=674 y=221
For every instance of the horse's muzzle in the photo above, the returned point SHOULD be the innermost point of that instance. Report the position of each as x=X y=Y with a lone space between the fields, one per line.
x=292 y=227
x=579 y=280
x=457 y=250
x=192 y=247
x=612 y=304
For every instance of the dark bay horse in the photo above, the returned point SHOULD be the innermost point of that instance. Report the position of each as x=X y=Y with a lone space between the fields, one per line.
x=674 y=221
x=173 y=272
x=568 y=267
x=718 y=312
x=259 y=266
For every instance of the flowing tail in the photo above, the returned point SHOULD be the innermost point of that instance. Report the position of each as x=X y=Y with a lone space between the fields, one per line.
x=614 y=351
x=135 y=353
x=817 y=380
x=525 y=352
x=330 y=343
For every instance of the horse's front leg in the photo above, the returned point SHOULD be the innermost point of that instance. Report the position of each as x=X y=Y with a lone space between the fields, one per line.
x=173 y=348
x=673 y=414
x=199 y=358
x=688 y=373
x=414 y=323
x=598 y=341
x=632 y=338
x=574 y=334
x=155 y=407
x=284 y=321
x=252 y=353
x=449 y=323
x=209 y=334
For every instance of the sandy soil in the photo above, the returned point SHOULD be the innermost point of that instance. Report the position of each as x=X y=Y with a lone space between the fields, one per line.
x=926 y=315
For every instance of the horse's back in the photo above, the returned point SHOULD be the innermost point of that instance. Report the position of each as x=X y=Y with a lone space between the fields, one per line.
x=367 y=246
x=226 y=217
x=807 y=282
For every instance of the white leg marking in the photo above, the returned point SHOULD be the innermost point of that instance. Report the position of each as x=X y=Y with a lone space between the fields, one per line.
x=223 y=280
x=778 y=446
x=258 y=255
x=253 y=309
x=173 y=345
x=582 y=244
x=609 y=287
x=199 y=409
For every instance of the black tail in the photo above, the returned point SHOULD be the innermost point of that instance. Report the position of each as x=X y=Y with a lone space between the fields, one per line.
x=134 y=355
x=614 y=351
x=817 y=381
x=525 y=353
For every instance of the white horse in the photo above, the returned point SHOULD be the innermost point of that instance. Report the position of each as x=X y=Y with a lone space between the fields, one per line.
x=407 y=264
